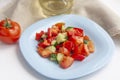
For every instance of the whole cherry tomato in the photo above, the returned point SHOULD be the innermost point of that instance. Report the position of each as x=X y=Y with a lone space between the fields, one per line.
x=9 y=31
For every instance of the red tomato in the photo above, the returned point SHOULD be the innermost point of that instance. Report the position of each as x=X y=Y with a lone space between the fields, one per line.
x=55 y=30
x=40 y=49
x=43 y=52
x=85 y=50
x=50 y=39
x=38 y=35
x=44 y=44
x=59 y=25
x=49 y=34
x=66 y=62
x=81 y=49
x=9 y=31
x=70 y=33
x=91 y=46
x=78 y=32
x=86 y=37
x=73 y=40
x=58 y=46
x=77 y=40
x=78 y=49
x=64 y=51
x=68 y=45
x=78 y=57
x=52 y=31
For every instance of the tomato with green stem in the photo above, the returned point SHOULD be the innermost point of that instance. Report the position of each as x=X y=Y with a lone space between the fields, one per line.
x=9 y=31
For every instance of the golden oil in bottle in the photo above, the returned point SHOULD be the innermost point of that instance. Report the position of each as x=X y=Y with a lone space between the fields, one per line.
x=56 y=7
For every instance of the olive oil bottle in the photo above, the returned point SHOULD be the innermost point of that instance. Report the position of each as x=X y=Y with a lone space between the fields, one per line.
x=56 y=7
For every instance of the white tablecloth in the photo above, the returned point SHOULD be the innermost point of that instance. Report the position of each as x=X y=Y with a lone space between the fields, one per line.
x=14 y=67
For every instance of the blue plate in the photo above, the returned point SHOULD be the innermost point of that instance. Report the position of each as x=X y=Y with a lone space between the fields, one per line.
x=104 y=48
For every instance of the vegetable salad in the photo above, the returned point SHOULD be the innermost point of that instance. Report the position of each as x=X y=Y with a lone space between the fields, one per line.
x=64 y=45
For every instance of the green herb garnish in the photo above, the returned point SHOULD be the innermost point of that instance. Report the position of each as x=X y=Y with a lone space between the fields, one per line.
x=86 y=41
x=53 y=57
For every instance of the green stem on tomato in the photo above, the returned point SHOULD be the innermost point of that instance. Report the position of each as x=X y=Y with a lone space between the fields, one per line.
x=7 y=24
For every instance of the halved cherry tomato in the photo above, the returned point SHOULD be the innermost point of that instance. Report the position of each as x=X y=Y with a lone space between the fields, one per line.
x=38 y=35
x=9 y=31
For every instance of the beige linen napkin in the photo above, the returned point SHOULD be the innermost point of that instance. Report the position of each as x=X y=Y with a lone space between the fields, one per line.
x=27 y=12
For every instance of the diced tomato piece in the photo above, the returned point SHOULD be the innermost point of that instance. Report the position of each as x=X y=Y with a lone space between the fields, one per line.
x=91 y=47
x=55 y=30
x=90 y=44
x=49 y=33
x=70 y=33
x=78 y=31
x=59 y=25
x=50 y=39
x=86 y=37
x=72 y=39
x=75 y=32
x=81 y=49
x=77 y=40
x=40 y=49
x=44 y=44
x=64 y=51
x=38 y=35
x=52 y=32
x=45 y=53
x=78 y=49
x=66 y=62
x=85 y=50
x=78 y=57
x=68 y=45
x=58 y=46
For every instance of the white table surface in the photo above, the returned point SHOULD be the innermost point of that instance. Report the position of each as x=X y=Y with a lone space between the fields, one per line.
x=14 y=67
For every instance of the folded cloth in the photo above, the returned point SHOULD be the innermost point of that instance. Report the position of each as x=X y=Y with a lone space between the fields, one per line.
x=6 y=4
x=27 y=12
x=100 y=13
